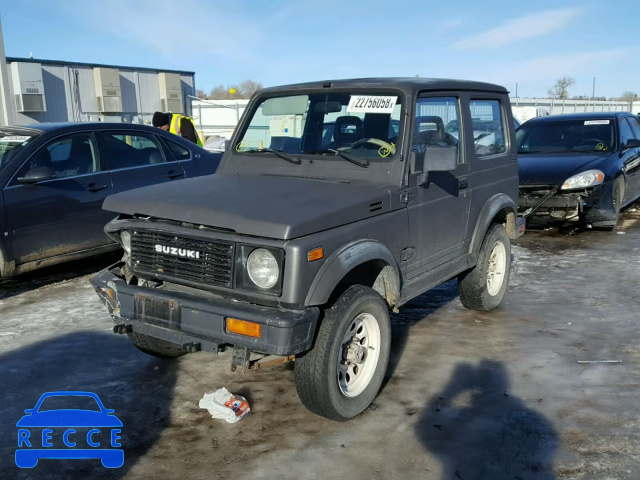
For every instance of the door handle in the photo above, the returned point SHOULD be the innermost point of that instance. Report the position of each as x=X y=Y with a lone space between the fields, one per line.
x=96 y=187
x=175 y=174
x=463 y=183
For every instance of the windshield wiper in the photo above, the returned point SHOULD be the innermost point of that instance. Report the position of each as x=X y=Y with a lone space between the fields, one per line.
x=277 y=153
x=364 y=163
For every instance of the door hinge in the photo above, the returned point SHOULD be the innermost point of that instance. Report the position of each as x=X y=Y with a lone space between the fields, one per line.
x=406 y=197
x=406 y=253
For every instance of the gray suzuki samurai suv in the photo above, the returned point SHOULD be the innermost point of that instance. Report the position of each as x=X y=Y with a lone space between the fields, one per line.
x=334 y=202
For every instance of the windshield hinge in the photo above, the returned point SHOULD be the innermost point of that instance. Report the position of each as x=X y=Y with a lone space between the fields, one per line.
x=406 y=197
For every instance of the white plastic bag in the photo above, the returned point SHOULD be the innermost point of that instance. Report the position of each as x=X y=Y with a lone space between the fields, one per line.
x=222 y=404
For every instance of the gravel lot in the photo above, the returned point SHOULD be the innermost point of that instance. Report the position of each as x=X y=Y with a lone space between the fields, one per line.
x=469 y=396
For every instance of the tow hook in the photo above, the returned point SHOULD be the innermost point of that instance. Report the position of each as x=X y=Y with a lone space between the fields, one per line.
x=192 y=347
x=240 y=358
x=122 y=329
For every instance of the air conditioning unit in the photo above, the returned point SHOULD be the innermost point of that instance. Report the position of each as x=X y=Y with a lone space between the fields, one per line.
x=108 y=93
x=28 y=87
x=170 y=92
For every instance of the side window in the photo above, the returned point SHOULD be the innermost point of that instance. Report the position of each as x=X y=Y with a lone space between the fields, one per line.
x=436 y=131
x=122 y=150
x=626 y=133
x=68 y=157
x=635 y=126
x=488 y=127
x=178 y=151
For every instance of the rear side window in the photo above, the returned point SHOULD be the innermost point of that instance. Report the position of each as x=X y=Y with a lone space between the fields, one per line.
x=122 y=150
x=178 y=151
x=489 y=132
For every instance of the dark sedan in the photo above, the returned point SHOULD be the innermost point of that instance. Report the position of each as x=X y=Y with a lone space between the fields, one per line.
x=54 y=178
x=581 y=167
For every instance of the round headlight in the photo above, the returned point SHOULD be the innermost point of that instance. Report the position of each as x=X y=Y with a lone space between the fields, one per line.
x=125 y=237
x=262 y=267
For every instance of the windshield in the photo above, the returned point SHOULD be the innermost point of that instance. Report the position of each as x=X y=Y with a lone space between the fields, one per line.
x=10 y=145
x=363 y=125
x=66 y=402
x=562 y=136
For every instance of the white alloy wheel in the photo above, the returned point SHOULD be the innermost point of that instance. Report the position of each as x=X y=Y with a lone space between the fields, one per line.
x=496 y=268
x=358 y=357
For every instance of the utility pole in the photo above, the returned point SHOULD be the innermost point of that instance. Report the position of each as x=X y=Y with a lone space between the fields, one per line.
x=593 y=94
x=6 y=105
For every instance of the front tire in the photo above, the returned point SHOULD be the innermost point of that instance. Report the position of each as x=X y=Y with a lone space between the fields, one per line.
x=155 y=346
x=617 y=197
x=483 y=286
x=341 y=375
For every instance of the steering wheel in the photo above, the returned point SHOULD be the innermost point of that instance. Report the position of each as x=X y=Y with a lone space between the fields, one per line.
x=376 y=141
x=589 y=141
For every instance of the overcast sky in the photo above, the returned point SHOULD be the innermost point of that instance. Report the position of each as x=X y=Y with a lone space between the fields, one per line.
x=286 y=41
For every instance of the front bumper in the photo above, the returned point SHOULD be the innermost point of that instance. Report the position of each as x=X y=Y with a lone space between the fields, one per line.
x=593 y=206
x=200 y=321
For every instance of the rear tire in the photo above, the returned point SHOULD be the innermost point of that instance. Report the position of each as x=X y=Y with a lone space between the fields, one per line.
x=341 y=375
x=483 y=286
x=156 y=347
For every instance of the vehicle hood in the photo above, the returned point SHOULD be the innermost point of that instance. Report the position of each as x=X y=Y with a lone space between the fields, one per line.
x=262 y=205
x=69 y=418
x=554 y=169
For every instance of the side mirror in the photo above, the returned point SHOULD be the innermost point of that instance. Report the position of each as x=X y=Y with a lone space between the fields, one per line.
x=29 y=411
x=631 y=143
x=441 y=159
x=37 y=174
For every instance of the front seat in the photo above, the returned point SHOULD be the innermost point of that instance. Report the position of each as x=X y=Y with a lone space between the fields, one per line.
x=347 y=131
x=80 y=157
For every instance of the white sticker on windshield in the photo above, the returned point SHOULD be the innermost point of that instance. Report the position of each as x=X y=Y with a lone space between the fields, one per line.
x=15 y=139
x=597 y=122
x=371 y=104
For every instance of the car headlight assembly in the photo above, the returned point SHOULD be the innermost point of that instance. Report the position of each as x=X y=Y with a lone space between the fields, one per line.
x=125 y=238
x=586 y=179
x=263 y=268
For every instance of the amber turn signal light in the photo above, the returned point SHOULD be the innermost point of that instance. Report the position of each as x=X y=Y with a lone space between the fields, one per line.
x=315 y=254
x=242 y=327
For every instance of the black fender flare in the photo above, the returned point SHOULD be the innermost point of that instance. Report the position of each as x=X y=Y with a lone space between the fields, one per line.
x=345 y=259
x=491 y=208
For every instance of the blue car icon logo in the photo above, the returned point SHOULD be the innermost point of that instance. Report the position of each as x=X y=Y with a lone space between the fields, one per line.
x=52 y=430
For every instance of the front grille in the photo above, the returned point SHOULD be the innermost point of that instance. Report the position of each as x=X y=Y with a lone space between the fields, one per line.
x=214 y=265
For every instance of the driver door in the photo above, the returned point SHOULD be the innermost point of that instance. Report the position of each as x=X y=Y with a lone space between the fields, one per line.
x=64 y=214
x=438 y=208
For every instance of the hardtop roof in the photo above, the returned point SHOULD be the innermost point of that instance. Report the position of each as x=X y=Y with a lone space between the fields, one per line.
x=411 y=84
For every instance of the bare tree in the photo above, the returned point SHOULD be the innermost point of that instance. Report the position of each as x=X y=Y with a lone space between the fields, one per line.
x=201 y=94
x=629 y=97
x=561 y=88
x=220 y=92
x=244 y=89
x=248 y=87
